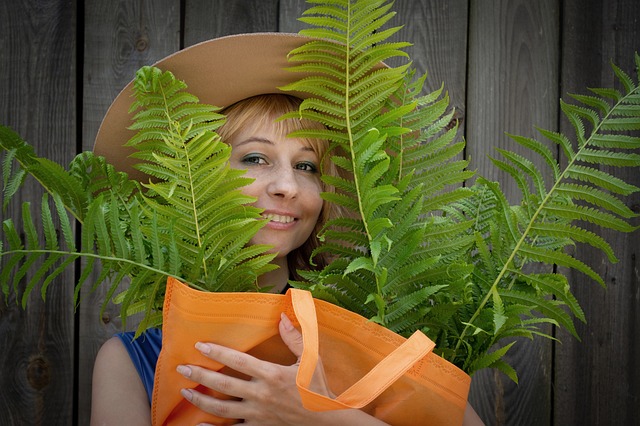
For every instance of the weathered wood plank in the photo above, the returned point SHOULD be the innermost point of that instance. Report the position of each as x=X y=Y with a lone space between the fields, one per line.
x=512 y=86
x=438 y=31
x=120 y=37
x=37 y=68
x=289 y=12
x=597 y=380
x=216 y=18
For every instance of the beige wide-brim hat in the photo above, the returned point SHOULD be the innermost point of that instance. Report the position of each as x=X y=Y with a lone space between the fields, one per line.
x=219 y=72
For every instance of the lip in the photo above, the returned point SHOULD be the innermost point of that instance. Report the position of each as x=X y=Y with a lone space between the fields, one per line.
x=278 y=219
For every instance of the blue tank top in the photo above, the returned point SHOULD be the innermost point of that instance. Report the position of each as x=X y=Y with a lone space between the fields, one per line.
x=144 y=352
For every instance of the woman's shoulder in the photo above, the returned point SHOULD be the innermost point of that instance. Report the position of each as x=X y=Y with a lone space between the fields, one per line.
x=112 y=352
x=143 y=352
x=149 y=341
x=116 y=384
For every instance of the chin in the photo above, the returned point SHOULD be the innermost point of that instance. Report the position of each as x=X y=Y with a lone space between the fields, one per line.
x=280 y=252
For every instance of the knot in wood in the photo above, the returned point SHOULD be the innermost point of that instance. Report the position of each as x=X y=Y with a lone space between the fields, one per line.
x=456 y=119
x=142 y=43
x=38 y=372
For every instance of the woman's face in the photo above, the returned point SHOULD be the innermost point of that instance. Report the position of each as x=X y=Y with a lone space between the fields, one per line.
x=287 y=184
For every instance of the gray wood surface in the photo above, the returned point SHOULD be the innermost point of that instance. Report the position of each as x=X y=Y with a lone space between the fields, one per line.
x=38 y=99
x=120 y=37
x=504 y=63
x=512 y=86
x=206 y=19
x=598 y=379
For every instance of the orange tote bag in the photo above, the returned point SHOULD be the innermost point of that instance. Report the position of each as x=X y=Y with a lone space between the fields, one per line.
x=397 y=380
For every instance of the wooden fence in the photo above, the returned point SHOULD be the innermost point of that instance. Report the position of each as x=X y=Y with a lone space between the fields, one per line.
x=505 y=63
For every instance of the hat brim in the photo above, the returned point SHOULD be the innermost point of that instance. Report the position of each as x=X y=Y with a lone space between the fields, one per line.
x=219 y=72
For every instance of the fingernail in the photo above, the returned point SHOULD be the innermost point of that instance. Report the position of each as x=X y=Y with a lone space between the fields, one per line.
x=184 y=370
x=203 y=347
x=286 y=322
x=187 y=394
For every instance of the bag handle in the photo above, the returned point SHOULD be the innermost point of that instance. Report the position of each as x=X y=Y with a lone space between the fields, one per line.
x=365 y=390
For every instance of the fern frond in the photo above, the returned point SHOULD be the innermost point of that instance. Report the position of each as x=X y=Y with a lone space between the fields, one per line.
x=417 y=250
x=616 y=141
x=539 y=149
x=574 y=233
x=556 y=285
x=495 y=360
x=550 y=308
x=50 y=174
x=589 y=214
x=402 y=307
x=549 y=220
x=601 y=179
x=134 y=233
x=595 y=197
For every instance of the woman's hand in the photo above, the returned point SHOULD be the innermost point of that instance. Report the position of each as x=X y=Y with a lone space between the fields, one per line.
x=269 y=398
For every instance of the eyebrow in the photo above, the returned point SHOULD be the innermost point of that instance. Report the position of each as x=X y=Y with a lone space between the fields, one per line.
x=255 y=139
x=268 y=142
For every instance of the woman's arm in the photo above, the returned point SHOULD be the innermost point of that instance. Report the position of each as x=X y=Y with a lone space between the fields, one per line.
x=118 y=396
x=271 y=397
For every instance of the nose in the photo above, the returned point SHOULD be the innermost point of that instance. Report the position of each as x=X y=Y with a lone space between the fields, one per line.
x=283 y=183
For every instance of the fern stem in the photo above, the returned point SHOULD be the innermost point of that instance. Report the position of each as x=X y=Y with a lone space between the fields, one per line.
x=353 y=154
x=401 y=141
x=98 y=257
x=195 y=208
x=189 y=171
x=348 y=125
x=534 y=217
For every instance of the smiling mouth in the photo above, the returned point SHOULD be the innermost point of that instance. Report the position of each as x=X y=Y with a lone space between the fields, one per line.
x=278 y=218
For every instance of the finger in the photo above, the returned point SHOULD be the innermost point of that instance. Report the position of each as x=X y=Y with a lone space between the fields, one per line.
x=290 y=336
x=229 y=409
x=293 y=339
x=236 y=360
x=217 y=381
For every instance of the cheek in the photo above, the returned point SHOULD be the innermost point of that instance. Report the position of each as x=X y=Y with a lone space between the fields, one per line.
x=313 y=201
x=253 y=189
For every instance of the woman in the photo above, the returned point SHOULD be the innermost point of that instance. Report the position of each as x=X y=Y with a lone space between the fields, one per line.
x=287 y=186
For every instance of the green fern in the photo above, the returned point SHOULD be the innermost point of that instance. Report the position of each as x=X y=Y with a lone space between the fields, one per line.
x=418 y=249
x=464 y=276
x=371 y=114
x=192 y=222
x=552 y=215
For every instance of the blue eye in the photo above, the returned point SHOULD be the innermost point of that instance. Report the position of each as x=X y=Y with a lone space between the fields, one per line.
x=307 y=167
x=253 y=159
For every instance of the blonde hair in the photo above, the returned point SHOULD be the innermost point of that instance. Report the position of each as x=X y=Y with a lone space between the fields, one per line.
x=261 y=110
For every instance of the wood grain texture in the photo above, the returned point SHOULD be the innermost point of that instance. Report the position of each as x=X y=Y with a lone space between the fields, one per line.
x=37 y=67
x=206 y=19
x=512 y=75
x=289 y=12
x=438 y=31
x=120 y=37
x=512 y=87
x=598 y=379
x=503 y=62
